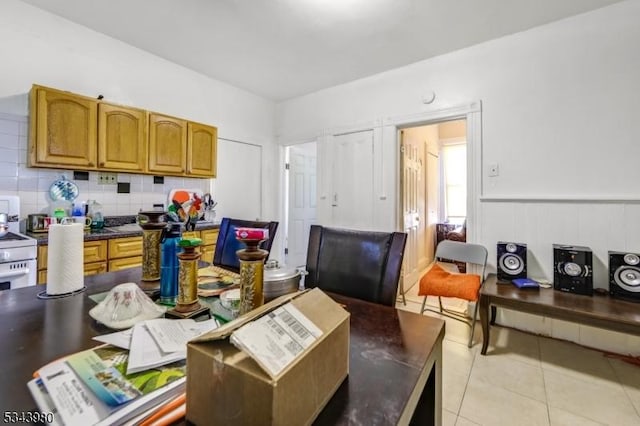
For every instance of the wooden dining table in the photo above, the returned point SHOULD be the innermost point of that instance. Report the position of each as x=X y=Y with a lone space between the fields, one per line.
x=395 y=365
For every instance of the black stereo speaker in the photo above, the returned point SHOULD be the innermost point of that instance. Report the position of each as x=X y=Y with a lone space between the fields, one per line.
x=573 y=269
x=512 y=261
x=624 y=275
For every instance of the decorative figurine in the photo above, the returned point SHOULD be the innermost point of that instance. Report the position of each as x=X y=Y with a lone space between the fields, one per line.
x=152 y=228
x=251 y=267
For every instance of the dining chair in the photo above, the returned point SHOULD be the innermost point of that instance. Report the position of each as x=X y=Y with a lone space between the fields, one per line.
x=442 y=283
x=360 y=264
x=227 y=244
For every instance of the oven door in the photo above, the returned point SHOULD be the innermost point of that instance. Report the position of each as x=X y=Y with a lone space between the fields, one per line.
x=18 y=274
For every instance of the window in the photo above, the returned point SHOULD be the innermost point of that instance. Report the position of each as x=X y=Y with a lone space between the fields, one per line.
x=454 y=166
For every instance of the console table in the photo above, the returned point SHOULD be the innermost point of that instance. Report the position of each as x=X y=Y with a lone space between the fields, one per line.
x=597 y=311
x=395 y=357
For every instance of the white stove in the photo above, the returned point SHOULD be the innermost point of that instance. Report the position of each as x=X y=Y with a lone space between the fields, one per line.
x=18 y=253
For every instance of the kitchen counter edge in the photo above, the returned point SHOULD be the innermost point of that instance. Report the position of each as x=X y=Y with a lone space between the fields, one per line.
x=42 y=238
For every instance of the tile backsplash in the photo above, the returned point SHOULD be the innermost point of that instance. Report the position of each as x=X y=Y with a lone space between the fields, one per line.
x=32 y=184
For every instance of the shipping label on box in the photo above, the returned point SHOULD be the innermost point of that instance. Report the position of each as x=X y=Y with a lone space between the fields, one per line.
x=301 y=345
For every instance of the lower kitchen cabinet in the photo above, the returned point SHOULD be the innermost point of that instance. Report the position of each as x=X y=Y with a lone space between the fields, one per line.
x=101 y=256
x=209 y=238
x=95 y=259
x=125 y=253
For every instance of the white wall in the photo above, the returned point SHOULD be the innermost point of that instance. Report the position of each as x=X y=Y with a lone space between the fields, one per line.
x=38 y=47
x=559 y=115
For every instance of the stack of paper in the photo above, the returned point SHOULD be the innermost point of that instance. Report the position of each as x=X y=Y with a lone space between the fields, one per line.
x=138 y=371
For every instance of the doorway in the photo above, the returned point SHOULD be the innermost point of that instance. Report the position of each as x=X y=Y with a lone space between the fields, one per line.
x=433 y=176
x=300 y=199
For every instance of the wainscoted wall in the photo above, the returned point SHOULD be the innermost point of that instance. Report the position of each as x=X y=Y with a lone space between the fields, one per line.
x=32 y=184
x=602 y=225
x=557 y=116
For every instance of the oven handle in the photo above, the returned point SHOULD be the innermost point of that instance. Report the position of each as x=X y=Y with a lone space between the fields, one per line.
x=15 y=273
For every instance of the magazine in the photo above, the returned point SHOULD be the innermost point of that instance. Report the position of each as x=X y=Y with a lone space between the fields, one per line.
x=92 y=387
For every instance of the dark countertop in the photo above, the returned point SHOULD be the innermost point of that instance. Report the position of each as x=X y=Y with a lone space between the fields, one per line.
x=109 y=232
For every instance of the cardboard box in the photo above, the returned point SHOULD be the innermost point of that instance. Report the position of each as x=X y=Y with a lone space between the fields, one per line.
x=226 y=386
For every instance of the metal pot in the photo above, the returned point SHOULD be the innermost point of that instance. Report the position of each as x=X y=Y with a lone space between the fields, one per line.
x=279 y=280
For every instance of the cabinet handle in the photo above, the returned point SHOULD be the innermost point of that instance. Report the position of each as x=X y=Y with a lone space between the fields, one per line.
x=101 y=164
x=91 y=164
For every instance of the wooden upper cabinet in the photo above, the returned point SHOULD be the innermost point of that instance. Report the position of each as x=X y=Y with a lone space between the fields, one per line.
x=63 y=130
x=202 y=143
x=122 y=138
x=167 y=144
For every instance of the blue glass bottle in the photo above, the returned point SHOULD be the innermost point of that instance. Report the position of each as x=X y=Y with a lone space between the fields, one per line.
x=169 y=264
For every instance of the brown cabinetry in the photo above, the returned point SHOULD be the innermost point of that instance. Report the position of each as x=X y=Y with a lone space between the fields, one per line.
x=167 y=144
x=63 y=130
x=125 y=253
x=70 y=131
x=209 y=239
x=122 y=138
x=95 y=259
x=202 y=145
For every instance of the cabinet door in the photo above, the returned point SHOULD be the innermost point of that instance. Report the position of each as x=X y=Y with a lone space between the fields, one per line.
x=207 y=252
x=209 y=236
x=167 y=144
x=125 y=247
x=95 y=268
x=43 y=252
x=95 y=251
x=125 y=263
x=202 y=144
x=122 y=138
x=65 y=130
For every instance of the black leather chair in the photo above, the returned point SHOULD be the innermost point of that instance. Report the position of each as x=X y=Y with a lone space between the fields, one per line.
x=227 y=244
x=360 y=264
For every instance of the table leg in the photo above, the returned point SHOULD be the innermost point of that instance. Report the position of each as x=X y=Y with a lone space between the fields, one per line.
x=484 y=320
x=493 y=315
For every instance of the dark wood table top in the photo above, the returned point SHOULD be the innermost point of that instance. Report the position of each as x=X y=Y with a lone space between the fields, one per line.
x=560 y=303
x=389 y=348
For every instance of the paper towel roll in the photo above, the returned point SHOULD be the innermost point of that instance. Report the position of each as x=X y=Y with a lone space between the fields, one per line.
x=65 y=258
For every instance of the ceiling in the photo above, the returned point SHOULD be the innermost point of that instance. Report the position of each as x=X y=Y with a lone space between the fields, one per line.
x=281 y=49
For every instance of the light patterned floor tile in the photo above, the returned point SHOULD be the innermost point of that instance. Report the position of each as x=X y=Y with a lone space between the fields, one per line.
x=514 y=344
x=457 y=356
x=629 y=376
x=454 y=385
x=490 y=405
x=607 y=404
x=576 y=361
x=448 y=418
x=511 y=374
x=561 y=417
x=465 y=422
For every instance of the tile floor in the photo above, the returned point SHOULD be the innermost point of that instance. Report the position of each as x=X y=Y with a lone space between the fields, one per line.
x=531 y=380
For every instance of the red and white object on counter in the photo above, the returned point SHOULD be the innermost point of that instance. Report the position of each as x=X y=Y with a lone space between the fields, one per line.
x=252 y=234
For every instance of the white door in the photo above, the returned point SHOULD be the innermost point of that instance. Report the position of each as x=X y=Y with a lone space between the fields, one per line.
x=414 y=194
x=237 y=188
x=352 y=177
x=302 y=201
x=433 y=202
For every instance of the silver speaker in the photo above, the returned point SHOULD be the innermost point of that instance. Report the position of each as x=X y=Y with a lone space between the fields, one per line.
x=512 y=260
x=624 y=275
